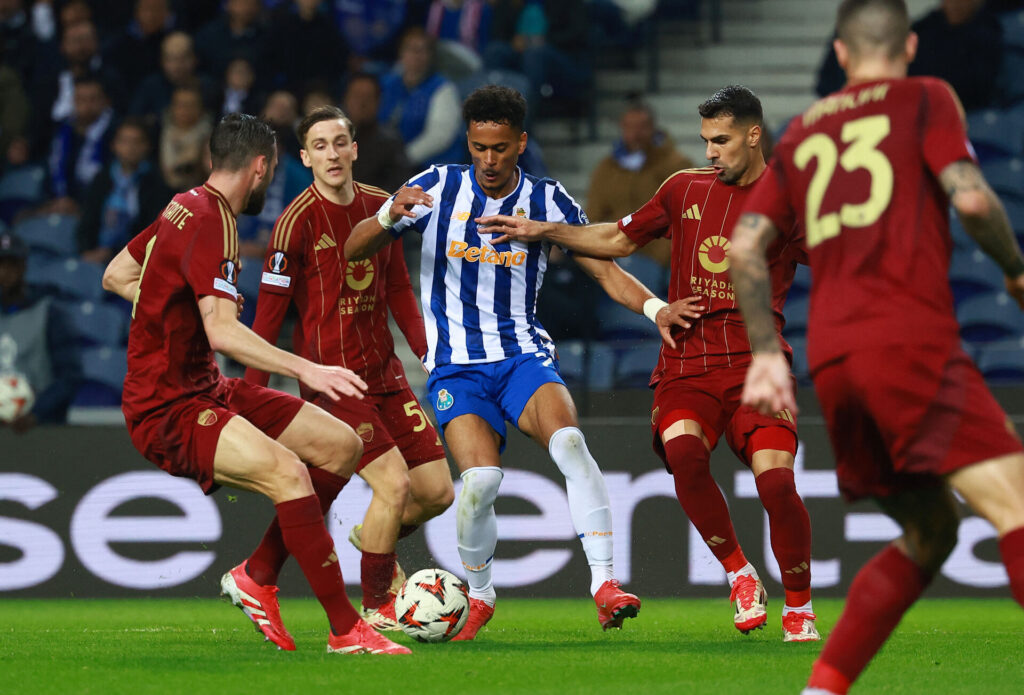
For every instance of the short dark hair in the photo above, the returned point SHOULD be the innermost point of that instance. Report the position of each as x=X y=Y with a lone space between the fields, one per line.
x=495 y=104
x=238 y=138
x=136 y=122
x=736 y=101
x=866 y=25
x=322 y=113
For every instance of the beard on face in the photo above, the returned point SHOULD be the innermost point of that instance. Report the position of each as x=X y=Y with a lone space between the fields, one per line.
x=254 y=204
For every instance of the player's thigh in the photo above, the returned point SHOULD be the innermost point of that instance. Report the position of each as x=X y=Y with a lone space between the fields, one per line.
x=549 y=409
x=430 y=483
x=994 y=489
x=322 y=440
x=473 y=442
x=248 y=459
x=409 y=428
x=388 y=476
x=929 y=521
x=763 y=442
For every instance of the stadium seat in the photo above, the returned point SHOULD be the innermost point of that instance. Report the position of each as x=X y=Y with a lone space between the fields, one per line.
x=1006 y=176
x=961 y=239
x=996 y=133
x=102 y=371
x=93 y=323
x=1013 y=29
x=571 y=362
x=989 y=317
x=635 y=364
x=600 y=366
x=1015 y=211
x=52 y=234
x=20 y=187
x=68 y=278
x=619 y=323
x=800 y=369
x=1002 y=361
x=801 y=286
x=972 y=273
x=795 y=312
x=507 y=78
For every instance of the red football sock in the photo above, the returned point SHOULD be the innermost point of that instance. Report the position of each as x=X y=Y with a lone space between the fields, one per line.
x=406 y=530
x=790 y=532
x=1011 y=547
x=307 y=540
x=265 y=563
x=881 y=593
x=376 y=571
x=699 y=496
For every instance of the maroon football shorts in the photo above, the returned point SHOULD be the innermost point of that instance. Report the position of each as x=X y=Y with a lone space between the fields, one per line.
x=386 y=420
x=713 y=400
x=182 y=437
x=899 y=419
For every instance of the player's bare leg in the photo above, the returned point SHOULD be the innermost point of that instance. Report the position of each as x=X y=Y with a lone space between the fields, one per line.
x=888 y=585
x=688 y=453
x=474 y=445
x=430 y=493
x=388 y=477
x=248 y=459
x=790 y=530
x=995 y=489
x=550 y=419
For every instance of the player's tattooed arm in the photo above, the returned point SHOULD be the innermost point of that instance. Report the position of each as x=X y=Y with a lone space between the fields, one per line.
x=982 y=215
x=751 y=280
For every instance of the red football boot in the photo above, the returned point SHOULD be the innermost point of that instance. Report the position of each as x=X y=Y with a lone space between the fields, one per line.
x=259 y=603
x=480 y=612
x=615 y=605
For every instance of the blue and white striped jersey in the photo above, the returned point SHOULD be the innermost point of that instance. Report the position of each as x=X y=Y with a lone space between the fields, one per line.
x=479 y=298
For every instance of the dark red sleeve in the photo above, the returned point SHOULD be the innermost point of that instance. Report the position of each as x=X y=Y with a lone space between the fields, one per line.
x=945 y=137
x=209 y=263
x=652 y=220
x=270 y=312
x=137 y=246
x=769 y=198
x=402 y=302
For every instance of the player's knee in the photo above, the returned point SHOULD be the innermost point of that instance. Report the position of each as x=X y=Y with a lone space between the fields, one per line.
x=479 y=490
x=337 y=449
x=568 y=449
x=435 y=499
x=688 y=458
x=394 y=490
x=286 y=476
x=932 y=540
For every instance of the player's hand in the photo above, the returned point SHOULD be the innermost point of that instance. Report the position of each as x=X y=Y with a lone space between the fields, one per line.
x=240 y=304
x=1015 y=288
x=333 y=382
x=406 y=199
x=676 y=314
x=768 y=387
x=510 y=228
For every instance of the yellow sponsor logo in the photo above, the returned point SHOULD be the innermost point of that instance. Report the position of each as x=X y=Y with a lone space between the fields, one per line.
x=359 y=274
x=475 y=254
x=461 y=216
x=712 y=254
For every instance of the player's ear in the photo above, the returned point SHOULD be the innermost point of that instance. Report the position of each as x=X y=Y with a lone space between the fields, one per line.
x=304 y=156
x=522 y=142
x=355 y=150
x=753 y=135
x=910 y=48
x=842 y=53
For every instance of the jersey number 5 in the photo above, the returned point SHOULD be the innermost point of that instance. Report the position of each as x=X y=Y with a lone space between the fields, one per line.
x=863 y=136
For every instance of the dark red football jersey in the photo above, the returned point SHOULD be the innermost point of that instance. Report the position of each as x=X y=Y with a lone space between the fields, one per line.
x=699 y=212
x=343 y=305
x=859 y=172
x=190 y=251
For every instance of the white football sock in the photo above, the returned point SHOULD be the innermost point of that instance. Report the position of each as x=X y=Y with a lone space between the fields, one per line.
x=476 y=528
x=747 y=569
x=588 y=501
x=806 y=608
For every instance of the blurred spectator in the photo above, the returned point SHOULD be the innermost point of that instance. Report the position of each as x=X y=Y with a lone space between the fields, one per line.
x=32 y=341
x=124 y=197
x=961 y=42
x=306 y=45
x=546 y=40
x=195 y=14
x=80 y=147
x=53 y=90
x=640 y=161
x=461 y=28
x=14 y=112
x=18 y=41
x=185 y=140
x=318 y=95
x=240 y=94
x=381 y=161
x=282 y=112
x=136 y=49
x=370 y=27
x=421 y=104
x=177 y=69
x=238 y=33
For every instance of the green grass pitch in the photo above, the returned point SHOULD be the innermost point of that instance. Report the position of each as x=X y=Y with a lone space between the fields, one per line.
x=193 y=647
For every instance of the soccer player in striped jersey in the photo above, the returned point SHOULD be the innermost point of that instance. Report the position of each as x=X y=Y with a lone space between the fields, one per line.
x=343 y=320
x=697 y=383
x=489 y=358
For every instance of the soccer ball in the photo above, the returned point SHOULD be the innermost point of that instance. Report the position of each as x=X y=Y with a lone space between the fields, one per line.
x=432 y=605
x=16 y=396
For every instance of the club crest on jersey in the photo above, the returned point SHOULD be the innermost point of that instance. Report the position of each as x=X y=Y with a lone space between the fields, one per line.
x=713 y=254
x=359 y=274
x=229 y=271
x=445 y=400
x=520 y=212
x=277 y=263
x=207 y=418
x=365 y=431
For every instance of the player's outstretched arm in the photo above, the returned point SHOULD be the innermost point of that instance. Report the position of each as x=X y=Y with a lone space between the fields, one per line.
x=768 y=386
x=372 y=234
x=234 y=339
x=625 y=289
x=122 y=275
x=984 y=218
x=603 y=240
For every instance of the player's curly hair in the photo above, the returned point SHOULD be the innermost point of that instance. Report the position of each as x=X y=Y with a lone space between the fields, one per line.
x=238 y=138
x=495 y=104
x=736 y=101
